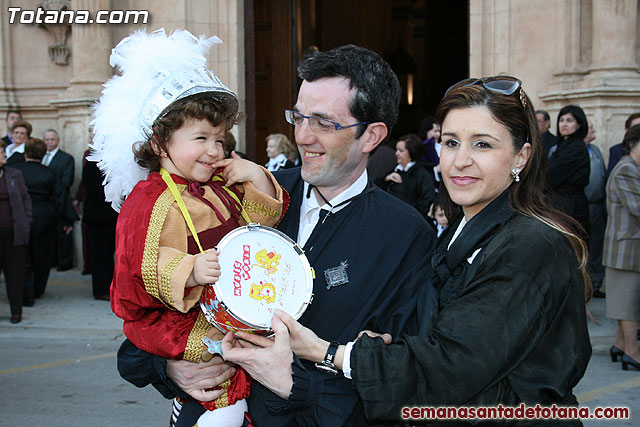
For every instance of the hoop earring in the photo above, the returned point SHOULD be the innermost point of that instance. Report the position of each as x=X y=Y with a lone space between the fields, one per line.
x=515 y=173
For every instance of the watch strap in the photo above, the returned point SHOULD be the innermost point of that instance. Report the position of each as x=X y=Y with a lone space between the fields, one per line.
x=327 y=364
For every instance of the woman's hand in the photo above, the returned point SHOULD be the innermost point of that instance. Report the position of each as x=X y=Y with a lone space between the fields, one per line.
x=304 y=342
x=199 y=379
x=394 y=177
x=238 y=170
x=387 y=338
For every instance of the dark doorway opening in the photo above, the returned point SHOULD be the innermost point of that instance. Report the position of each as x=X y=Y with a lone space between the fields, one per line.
x=426 y=42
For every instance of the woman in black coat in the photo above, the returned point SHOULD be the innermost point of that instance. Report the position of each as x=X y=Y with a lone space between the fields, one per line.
x=568 y=166
x=15 y=220
x=410 y=181
x=100 y=219
x=49 y=199
x=509 y=327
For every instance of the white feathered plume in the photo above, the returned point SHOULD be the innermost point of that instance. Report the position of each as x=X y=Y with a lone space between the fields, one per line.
x=145 y=62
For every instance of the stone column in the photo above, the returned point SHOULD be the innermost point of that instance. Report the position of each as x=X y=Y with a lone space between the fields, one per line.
x=90 y=49
x=614 y=36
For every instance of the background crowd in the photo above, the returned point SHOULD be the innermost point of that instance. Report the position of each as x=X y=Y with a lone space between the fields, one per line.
x=38 y=215
x=37 y=210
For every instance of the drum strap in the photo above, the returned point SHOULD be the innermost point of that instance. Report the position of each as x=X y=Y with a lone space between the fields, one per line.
x=180 y=201
x=183 y=208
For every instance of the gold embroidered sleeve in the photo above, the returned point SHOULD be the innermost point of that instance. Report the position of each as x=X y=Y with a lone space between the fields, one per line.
x=262 y=208
x=175 y=265
x=195 y=346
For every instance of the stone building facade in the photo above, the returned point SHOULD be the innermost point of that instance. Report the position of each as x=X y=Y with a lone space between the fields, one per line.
x=566 y=51
x=53 y=73
x=583 y=52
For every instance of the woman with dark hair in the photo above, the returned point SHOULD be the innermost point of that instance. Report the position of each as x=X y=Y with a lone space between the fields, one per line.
x=510 y=326
x=568 y=166
x=410 y=181
x=621 y=255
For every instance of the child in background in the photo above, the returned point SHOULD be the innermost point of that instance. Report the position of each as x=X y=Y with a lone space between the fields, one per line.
x=439 y=218
x=170 y=222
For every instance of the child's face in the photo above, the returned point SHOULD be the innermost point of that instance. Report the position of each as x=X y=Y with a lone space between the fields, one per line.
x=194 y=149
x=441 y=218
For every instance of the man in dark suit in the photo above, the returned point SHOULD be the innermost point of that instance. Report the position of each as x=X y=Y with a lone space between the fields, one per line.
x=12 y=117
x=63 y=165
x=544 y=123
x=615 y=152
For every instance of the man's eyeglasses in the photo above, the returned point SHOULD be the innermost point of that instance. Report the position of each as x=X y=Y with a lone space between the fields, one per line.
x=316 y=123
x=505 y=85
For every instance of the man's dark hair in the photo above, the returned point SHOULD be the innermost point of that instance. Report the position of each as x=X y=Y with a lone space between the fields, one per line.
x=627 y=123
x=35 y=149
x=13 y=111
x=377 y=97
x=545 y=115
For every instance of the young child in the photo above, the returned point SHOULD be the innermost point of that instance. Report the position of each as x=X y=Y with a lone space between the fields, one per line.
x=437 y=213
x=161 y=266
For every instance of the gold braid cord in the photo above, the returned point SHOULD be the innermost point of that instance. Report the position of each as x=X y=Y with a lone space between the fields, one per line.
x=193 y=350
x=223 y=401
x=258 y=208
x=152 y=242
x=165 y=275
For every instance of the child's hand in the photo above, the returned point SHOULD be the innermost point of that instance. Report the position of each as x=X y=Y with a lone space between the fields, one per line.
x=205 y=269
x=238 y=170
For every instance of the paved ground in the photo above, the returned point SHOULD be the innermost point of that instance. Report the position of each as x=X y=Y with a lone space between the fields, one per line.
x=58 y=367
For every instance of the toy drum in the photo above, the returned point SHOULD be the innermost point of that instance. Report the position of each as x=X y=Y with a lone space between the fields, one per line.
x=261 y=270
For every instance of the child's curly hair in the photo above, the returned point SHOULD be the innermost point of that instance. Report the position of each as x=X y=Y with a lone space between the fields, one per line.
x=204 y=106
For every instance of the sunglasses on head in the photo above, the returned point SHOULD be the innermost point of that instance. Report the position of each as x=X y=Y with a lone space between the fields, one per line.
x=505 y=85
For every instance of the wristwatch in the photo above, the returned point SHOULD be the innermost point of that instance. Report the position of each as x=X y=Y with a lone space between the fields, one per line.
x=327 y=364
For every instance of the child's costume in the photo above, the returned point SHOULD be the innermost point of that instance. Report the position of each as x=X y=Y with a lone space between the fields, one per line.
x=155 y=249
x=155 y=254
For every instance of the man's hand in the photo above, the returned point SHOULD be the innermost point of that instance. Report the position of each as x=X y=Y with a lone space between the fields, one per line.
x=199 y=379
x=205 y=269
x=67 y=229
x=270 y=365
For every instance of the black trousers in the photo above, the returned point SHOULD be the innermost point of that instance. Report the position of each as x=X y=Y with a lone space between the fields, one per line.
x=40 y=256
x=598 y=217
x=102 y=247
x=64 y=248
x=12 y=264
